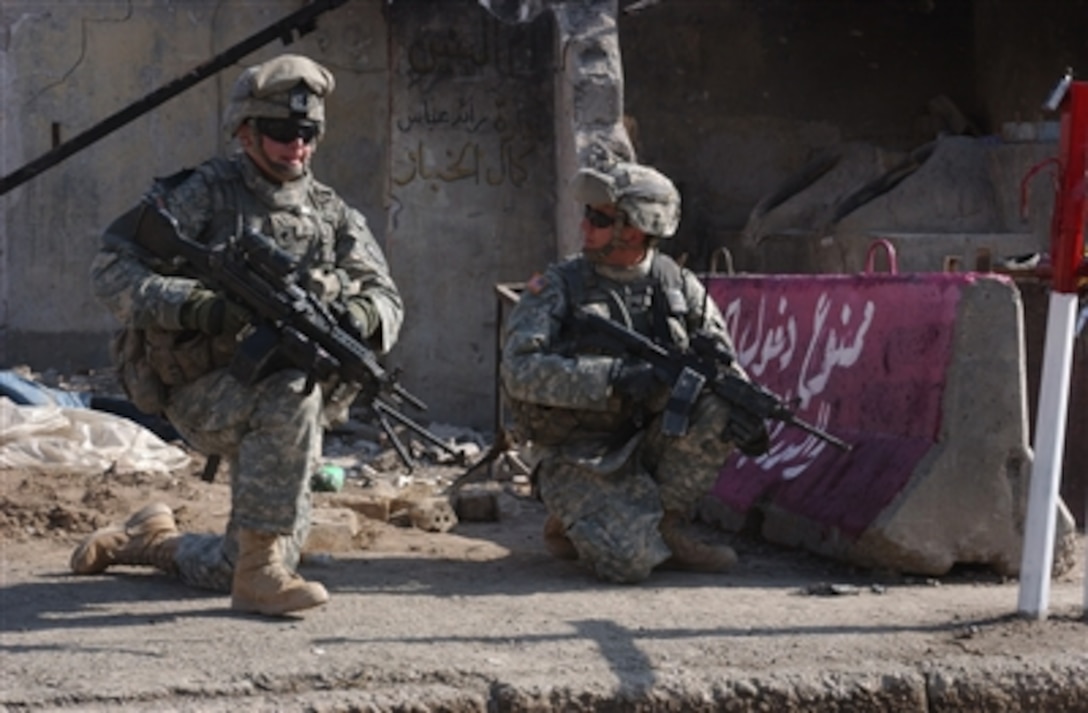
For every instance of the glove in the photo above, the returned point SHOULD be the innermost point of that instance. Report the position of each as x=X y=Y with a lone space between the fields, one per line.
x=208 y=312
x=325 y=284
x=637 y=380
x=749 y=434
x=365 y=316
x=757 y=445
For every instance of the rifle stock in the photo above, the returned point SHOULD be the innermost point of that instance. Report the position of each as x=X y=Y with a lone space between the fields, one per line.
x=689 y=372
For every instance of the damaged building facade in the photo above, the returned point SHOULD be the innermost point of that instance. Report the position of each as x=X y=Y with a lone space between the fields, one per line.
x=793 y=129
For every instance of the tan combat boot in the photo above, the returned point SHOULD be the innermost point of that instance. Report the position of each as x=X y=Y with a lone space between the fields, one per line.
x=689 y=553
x=262 y=583
x=556 y=541
x=148 y=537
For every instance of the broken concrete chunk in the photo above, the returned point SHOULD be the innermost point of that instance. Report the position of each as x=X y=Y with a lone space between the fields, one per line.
x=433 y=515
x=332 y=530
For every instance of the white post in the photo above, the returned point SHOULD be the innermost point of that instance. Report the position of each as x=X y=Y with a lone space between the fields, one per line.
x=1082 y=322
x=1038 y=555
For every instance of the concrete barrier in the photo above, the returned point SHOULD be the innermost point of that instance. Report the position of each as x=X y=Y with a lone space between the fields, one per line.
x=924 y=375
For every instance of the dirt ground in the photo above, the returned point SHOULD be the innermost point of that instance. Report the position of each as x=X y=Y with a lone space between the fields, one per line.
x=479 y=617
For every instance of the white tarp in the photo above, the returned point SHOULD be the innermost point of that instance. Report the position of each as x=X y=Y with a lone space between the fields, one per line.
x=73 y=439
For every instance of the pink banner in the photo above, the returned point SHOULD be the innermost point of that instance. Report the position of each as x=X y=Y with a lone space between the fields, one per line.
x=863 y=357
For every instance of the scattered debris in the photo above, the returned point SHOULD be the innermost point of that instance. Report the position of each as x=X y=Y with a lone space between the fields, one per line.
x=363 y=472
x=830 y=589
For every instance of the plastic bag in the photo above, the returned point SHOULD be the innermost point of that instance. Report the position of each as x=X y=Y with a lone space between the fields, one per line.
x=77 y=439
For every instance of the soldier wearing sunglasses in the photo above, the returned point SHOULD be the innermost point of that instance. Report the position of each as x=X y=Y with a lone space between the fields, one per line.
x=181 y=336
x=619 y=492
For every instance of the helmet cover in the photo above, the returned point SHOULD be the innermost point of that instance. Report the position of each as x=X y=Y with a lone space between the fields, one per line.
x=287 y=87
x=646 y=196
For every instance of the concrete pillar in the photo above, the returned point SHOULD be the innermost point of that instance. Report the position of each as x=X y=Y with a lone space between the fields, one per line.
x=588 y=103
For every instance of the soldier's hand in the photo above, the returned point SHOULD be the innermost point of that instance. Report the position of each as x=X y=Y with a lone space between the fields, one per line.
x=213 y=314
x=750 y=435
x=365 y=315
x=757 y=445
x=235 y=317
x=635 y=379
x=325 y=284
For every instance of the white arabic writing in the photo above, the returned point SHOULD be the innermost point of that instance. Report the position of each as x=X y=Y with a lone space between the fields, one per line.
x=768 y=342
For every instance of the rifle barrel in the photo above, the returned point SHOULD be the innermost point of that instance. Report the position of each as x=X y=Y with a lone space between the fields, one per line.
x=820 y=433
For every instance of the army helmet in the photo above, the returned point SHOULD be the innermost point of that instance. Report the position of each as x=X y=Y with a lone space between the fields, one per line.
x=289 y=86
x=646 y=196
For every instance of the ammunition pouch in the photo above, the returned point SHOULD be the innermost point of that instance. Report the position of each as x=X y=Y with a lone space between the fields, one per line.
x=150 y=361
x=141 y=384
x=553 y=426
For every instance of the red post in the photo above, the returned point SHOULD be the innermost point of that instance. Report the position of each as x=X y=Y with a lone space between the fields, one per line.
x=1067 y=233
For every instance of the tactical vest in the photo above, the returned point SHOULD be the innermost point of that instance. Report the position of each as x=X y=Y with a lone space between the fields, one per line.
x=653 y=305
x=151 y=360
x=301 y=220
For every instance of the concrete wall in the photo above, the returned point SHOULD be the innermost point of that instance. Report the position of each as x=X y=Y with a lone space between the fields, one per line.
x=471 y=189
x=776 y=82
x=953 y=199
x=441 y=132
x=729 y=97
x=731 y=113
x=1020 y=47
x=65 y=66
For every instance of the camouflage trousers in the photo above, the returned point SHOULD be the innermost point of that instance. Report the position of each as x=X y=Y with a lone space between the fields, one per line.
x=611 y=500
x=270 y=435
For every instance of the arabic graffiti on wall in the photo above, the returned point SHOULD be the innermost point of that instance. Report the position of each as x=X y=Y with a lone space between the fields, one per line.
x=473 y=110
x=461 y=117
x=470 y=179
x=853 y=354
x=466 y=43
x=866 y=358
x=497 y=150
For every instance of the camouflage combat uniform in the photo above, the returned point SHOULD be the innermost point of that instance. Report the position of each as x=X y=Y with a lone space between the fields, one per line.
x=603 y=467
x=270 y=432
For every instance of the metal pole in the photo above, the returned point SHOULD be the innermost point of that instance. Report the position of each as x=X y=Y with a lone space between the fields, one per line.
x=302 y=20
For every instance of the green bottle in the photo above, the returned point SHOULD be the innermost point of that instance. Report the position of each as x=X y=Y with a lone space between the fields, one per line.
x=328 y=478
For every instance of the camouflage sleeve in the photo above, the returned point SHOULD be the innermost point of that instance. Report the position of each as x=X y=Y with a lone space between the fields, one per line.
x=124 y=277
x=365 y=278
x=531 y=370
x=704 y=314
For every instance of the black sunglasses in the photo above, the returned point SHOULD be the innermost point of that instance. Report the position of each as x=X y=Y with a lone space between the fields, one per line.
x=284 y=131
x=598 y=219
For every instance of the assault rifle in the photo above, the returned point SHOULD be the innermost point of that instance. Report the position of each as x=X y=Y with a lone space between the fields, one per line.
x=705 y=365
x=291 y=325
